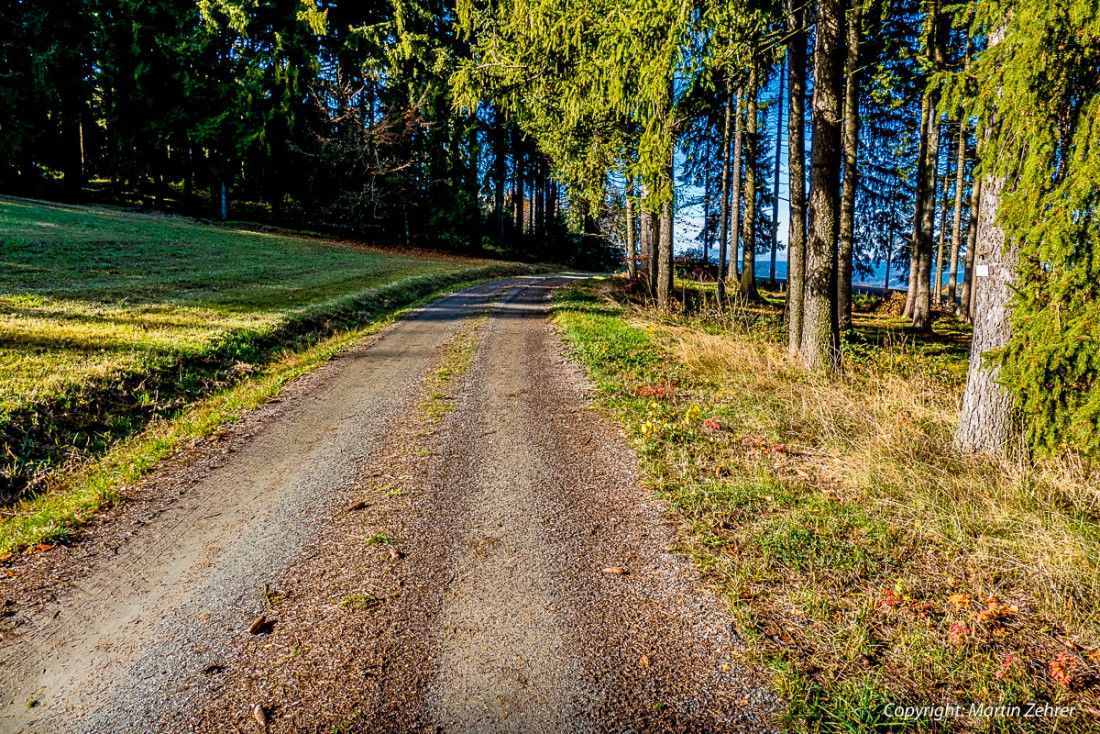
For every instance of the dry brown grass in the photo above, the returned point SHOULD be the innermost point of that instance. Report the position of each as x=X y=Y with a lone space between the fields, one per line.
x=886 y=440
x=866 y=560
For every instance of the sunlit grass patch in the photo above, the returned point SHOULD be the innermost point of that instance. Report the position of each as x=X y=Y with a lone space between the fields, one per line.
x=110 y=319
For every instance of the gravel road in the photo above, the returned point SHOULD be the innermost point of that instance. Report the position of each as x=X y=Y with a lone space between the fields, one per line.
x=419 y=572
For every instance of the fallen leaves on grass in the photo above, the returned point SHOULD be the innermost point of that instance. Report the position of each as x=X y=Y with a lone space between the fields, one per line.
x=995 y=611
x=961 y=601
x=1063 y=669
x=958 y=633
x=1005 y=667
x=655 y=392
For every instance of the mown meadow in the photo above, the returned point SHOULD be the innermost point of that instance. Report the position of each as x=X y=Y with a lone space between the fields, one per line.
x=110 y=320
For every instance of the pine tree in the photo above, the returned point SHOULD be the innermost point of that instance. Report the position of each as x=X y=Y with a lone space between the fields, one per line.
x=1037 y=299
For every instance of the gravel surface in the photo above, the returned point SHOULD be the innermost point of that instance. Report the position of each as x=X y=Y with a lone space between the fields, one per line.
x=414 y=574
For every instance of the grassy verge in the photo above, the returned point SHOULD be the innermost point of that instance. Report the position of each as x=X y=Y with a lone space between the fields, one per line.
x=110 y=319
x=866 y=564
x=74 y=494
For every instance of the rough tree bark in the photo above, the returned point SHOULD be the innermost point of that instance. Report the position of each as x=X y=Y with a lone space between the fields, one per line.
x=664 y=258
x=723 y=237
x=748 y=223
x=651 y=223
x=985 y=423
x=796 y=168
x=820 y=329
x=851 y=172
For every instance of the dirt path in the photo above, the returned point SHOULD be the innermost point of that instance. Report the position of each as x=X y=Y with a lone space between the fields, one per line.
x=463 y=592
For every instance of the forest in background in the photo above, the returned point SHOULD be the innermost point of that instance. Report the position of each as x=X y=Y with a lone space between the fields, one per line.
x=335 y=116
x=946 y=138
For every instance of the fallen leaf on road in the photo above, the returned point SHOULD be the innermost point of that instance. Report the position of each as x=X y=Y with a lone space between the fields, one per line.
x=644 y=662
x=255 y=627
x=260 y=715
x=615 y=571
x=357 y=506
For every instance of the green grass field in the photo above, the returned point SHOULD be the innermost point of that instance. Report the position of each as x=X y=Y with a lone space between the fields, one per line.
x=109 y=318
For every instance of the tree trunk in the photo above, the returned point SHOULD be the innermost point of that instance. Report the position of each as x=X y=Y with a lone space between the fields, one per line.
x=985 y=423
x=796 y=168
x=631 y=248
x=500 y=175
x=956 y=224
x=735 y=189
x=538 y=203
x=653 y=228
x=918 y=207
x=775 y=179
x=706 y=203
x=724 y=231
x=966 y=303
x=664 y=258
x=851 y=174
x=748 y=224
x=922 y=303
x=517 y=191
x=937 y=290
x=820 y=329
x=551 y=200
